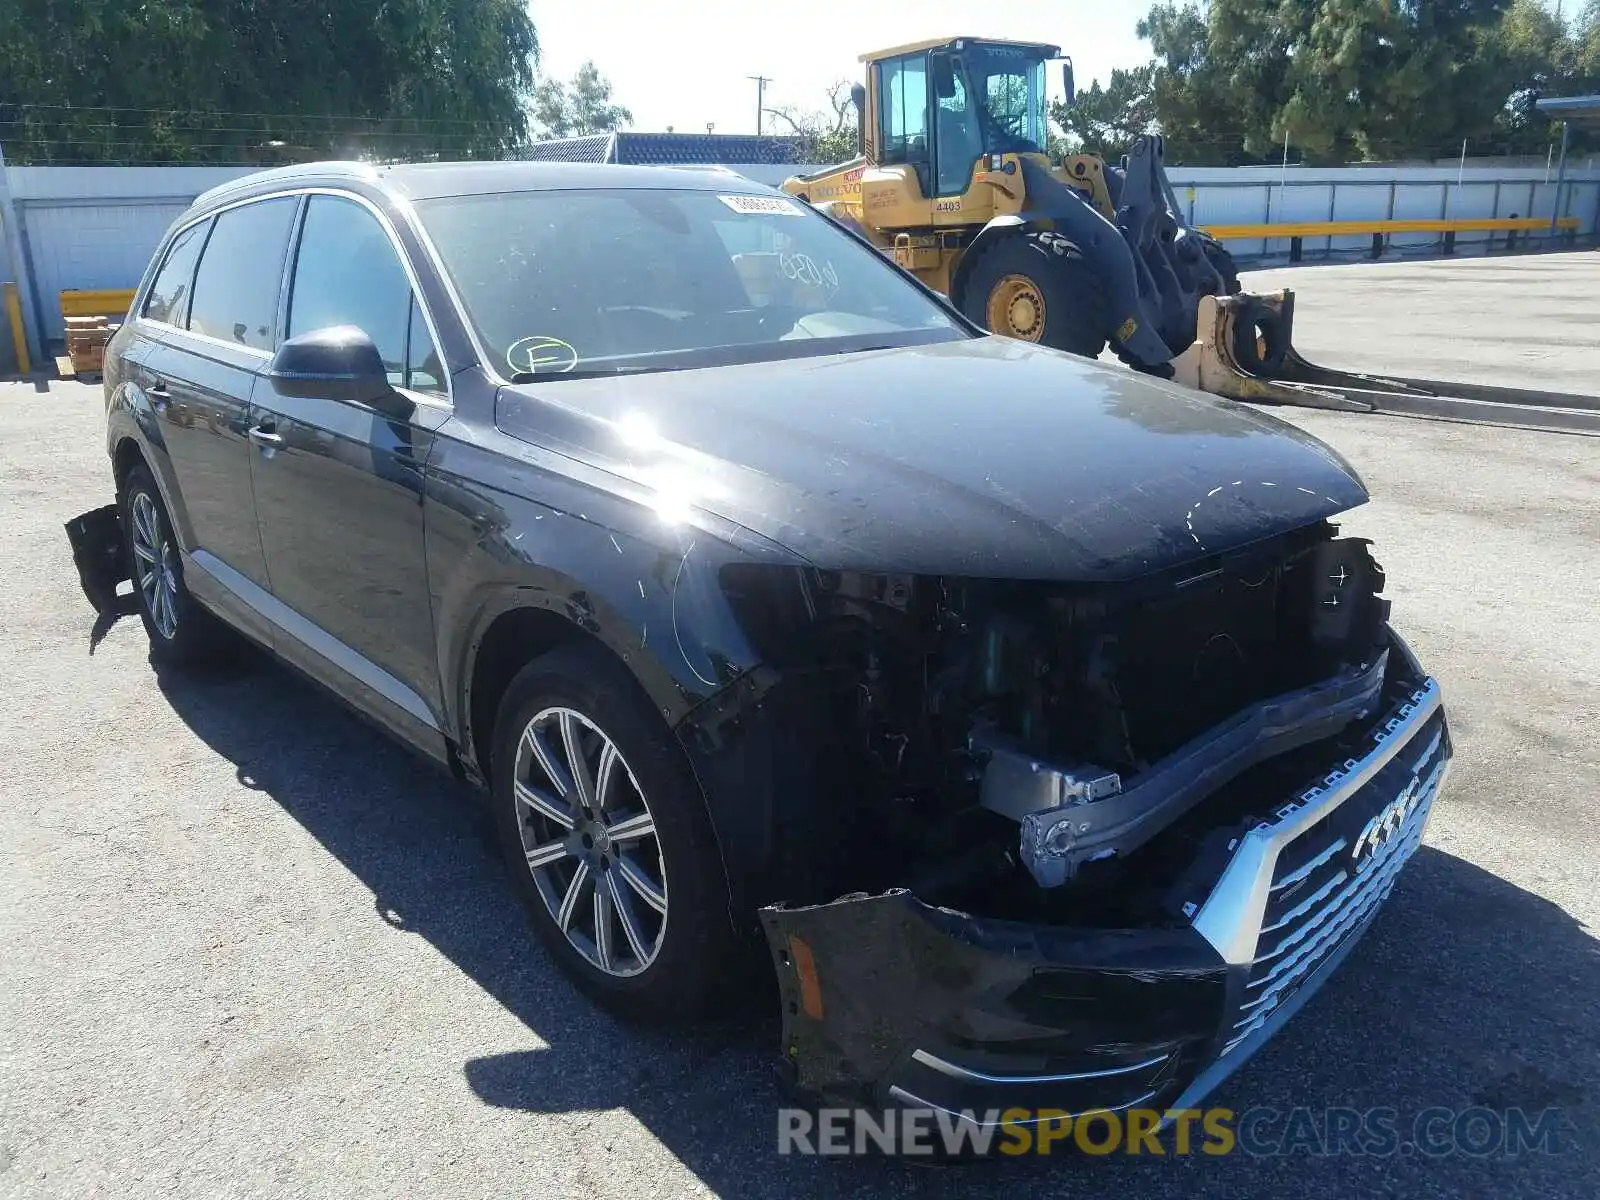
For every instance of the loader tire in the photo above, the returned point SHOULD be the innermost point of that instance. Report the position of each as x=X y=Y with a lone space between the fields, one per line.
x=1260 y=339
x=1038 y=287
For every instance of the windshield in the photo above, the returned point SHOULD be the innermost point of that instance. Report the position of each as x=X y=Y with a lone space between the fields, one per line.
x=1009 y=84
x=574 y=283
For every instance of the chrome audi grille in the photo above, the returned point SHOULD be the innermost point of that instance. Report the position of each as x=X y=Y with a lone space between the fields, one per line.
x=1329 y=881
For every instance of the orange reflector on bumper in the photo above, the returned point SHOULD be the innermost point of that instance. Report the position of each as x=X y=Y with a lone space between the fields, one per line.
x=805 y=966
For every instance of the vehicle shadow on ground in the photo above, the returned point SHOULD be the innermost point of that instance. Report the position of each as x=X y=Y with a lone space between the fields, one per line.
x=125 y=605
x=1469 y=991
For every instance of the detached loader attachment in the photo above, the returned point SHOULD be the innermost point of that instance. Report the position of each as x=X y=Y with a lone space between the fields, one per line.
x=1244 y=350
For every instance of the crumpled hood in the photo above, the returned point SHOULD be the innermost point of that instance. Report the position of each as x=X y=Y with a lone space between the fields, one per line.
x=982 y=458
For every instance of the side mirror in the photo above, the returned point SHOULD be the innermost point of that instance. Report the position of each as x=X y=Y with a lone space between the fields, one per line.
x=336 y=363
x=858 y=97
x=1068 y=88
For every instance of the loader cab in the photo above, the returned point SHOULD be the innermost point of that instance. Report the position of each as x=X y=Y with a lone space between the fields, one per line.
x=941 y=107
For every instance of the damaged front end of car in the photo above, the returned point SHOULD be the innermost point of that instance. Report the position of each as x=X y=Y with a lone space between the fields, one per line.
x=1067 y=846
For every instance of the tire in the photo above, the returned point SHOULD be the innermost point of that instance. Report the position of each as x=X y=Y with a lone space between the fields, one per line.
x=1063 y=284
x=672 y=961
x=1219 y=258
x=181 y=631
x=1260 y=341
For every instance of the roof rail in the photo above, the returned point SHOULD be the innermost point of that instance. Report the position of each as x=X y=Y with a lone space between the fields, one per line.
x=714 y=168
x=340 y=168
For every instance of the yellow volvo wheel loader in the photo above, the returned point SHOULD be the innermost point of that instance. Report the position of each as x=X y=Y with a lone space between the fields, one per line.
x=955 y=182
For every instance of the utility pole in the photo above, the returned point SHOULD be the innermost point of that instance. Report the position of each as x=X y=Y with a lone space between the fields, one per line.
x=761 y=97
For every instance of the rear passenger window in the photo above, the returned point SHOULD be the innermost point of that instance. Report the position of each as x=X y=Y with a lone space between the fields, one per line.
x=348 y=273
x=169 y=295
x=236 y=288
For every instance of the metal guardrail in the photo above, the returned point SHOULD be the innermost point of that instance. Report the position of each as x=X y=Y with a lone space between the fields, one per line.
x=96 y=302
x=1294 y=229
x=1381 y=230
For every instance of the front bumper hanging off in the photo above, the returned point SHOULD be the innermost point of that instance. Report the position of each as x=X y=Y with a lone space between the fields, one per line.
x=888 y=1001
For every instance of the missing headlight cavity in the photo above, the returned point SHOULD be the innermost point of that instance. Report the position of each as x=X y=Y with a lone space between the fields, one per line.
x=997 y=740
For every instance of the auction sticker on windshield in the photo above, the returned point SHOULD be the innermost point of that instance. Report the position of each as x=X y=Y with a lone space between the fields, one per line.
x=777 y=206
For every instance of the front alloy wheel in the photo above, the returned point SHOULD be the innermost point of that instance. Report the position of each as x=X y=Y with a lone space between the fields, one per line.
x=602 y=822
x=590 y=841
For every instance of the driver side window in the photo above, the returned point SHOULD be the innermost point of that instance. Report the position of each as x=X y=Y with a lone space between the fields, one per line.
x=347 y=273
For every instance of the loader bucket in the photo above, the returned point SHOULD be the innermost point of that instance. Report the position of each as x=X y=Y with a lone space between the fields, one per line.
x=1244 y=350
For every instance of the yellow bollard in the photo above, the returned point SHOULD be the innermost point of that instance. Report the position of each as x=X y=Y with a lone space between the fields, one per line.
x=19 y=339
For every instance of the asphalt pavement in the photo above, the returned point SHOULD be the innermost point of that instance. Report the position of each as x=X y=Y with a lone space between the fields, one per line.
x=250 y=948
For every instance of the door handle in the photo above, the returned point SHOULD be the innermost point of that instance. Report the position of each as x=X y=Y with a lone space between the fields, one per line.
x=265 y=438
x=159 y=396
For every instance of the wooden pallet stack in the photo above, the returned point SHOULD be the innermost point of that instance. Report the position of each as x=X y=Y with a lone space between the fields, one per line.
x=86 y=346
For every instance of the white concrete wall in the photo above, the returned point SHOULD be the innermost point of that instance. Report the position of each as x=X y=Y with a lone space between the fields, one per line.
x=93 y=227
x=1261 y=195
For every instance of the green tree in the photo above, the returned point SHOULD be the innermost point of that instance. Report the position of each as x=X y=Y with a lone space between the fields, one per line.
x=1342 y=78
x=581 y=107
x=246 y=80
x=1106 y=120
x=1208 y=101
x=1548 y=57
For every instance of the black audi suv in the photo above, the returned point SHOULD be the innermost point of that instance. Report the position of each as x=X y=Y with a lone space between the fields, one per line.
x=1033 y=710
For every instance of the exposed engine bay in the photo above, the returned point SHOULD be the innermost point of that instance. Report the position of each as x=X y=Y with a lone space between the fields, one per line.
x=1019 y=742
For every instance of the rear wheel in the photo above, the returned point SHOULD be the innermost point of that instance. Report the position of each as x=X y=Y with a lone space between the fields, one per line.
x=180 y=630
x=1038 y=287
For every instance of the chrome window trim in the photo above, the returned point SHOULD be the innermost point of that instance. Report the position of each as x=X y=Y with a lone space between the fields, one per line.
x=1231 y=917
x=234 y=347
x=286 y=278
x=166 y=246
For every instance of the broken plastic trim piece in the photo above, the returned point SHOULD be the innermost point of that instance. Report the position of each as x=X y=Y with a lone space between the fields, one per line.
x=97 y=551
x=1057 y=841
x=962 y=1011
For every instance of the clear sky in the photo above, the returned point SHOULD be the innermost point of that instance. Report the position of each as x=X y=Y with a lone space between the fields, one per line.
x=685 y=64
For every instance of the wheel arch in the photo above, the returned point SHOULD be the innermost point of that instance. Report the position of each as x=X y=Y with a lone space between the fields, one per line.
x=1007 y=225
x=510 y=640
x=517 y=625
x=521 y=633
x=125 y=455
x=133 y=437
